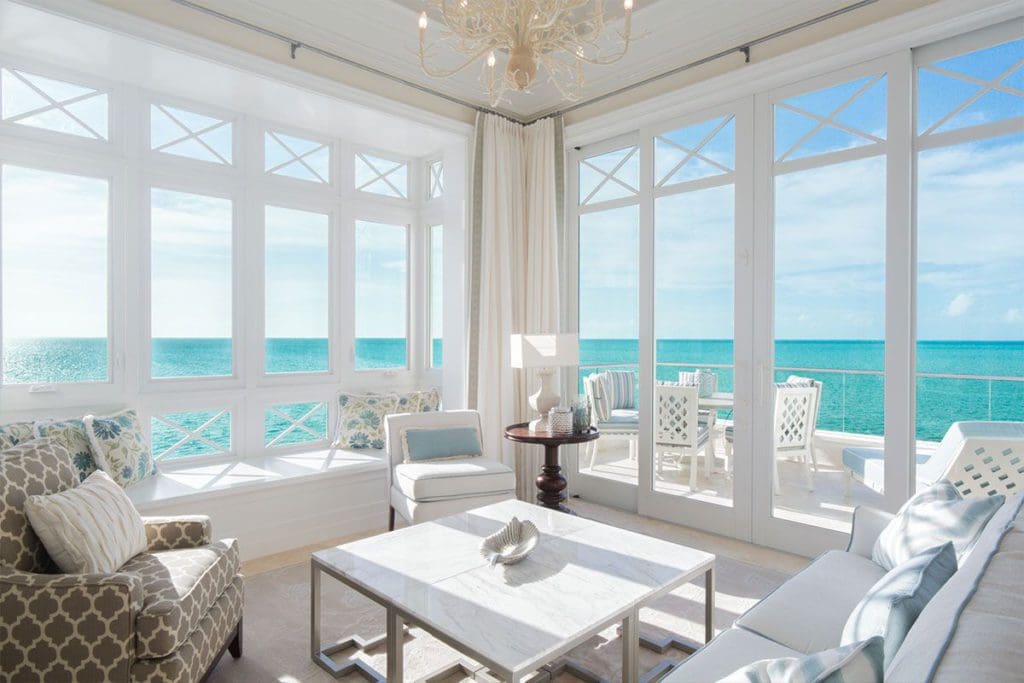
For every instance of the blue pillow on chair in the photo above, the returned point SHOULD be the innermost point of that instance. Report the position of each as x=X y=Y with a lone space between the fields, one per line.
x=440 y=444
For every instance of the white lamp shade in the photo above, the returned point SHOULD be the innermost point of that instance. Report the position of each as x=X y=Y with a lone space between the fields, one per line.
x=545 y=350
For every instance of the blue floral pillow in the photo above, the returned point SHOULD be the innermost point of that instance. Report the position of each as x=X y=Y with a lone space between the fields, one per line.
x=119 y=447
x=13 y=433
x=361 y=419
x=74 y=436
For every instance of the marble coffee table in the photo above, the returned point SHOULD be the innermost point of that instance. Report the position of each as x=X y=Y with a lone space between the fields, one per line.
x=583 y=577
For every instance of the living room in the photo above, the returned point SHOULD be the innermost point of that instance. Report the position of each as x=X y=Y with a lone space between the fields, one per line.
x=601 y=340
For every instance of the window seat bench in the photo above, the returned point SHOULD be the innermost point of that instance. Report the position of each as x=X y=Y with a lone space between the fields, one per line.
x=276 y=502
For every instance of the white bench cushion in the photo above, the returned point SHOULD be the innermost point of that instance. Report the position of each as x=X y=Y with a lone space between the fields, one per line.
x=808 y=612
x=426 y=481
x=730 y=650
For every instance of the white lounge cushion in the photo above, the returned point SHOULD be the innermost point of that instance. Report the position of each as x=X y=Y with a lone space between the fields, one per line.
x=426 y=481
x=967 y=629
x=90 y=529
x=808 y=612
x=730 y=650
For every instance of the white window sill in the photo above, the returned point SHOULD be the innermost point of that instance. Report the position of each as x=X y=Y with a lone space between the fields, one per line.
x=179 y=481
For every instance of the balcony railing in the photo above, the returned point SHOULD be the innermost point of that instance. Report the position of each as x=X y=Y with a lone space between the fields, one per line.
x=853 y=400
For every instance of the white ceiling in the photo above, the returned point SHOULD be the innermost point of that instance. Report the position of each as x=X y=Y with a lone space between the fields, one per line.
x=383 y=34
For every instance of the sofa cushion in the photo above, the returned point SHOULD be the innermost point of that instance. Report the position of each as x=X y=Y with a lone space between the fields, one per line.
x=90 y=529
x=426 y=481
x=440 y=443
x=966 y=630
x=859 y=662
x=935 y=515
x=120 y=446
x=77 y=440
x=892 y=605
x=37 y=467
x=808 y=612
x=179 y=587
x=13 y=433
x=730 y=650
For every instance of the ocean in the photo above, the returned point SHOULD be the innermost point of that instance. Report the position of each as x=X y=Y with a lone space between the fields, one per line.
x=852 y=396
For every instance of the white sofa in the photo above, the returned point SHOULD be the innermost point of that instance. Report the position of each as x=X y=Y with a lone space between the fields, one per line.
x=972 y=630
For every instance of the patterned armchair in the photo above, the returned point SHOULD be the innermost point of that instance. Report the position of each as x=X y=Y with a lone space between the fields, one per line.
x=166 y=615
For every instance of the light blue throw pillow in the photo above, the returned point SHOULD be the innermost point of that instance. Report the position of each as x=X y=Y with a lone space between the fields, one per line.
x=440 y=444
x=932 y=517
x=855 y=663
x=890 y=608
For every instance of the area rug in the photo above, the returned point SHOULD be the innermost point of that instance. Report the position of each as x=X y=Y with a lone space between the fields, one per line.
x=277 y=619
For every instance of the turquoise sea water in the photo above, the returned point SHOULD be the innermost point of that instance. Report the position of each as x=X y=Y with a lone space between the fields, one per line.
x=851 y=401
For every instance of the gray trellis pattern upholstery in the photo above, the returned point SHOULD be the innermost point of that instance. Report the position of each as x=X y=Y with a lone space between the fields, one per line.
x=179 y=602
x=40 y=466
x=196 y=655
x=172 y=533
x=66 y=627
x=179 y=586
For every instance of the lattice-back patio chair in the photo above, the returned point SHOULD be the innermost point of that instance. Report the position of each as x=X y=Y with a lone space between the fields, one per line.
x=979 y=458
x=678 y=430
x=794 y=420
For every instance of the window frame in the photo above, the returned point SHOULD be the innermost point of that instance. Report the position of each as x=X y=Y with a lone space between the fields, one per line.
x=189 y=165
x=413 y=175
x=334 y=182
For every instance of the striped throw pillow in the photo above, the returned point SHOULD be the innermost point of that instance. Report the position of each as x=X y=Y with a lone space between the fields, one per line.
x=932 y=517
x=597 y=387
x=856 y=663
x=90 y=529
x=621 y=387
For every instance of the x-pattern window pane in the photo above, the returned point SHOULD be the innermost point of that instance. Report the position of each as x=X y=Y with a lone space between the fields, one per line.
x=294 y=157
x=612 y=175
x=845 y=116
x=187 y=434
x=47 y=103
x=702 y=150
x=295 y=423
x=188 y=134
x=382 y=176
x=980 y=87
x=436 y=172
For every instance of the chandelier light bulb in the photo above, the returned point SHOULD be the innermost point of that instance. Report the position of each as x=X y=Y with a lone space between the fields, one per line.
x=491 y=59
x=627 y=5
x=423 y=19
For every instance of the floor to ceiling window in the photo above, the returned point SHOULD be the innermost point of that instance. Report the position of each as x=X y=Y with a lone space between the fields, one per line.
x=969 y=139
x=829 y=273
x=609 y=248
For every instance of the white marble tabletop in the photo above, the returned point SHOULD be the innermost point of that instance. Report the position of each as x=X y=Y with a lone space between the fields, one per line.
x=583 y=574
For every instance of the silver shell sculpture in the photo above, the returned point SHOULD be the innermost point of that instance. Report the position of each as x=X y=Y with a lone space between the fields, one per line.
x=511 y=543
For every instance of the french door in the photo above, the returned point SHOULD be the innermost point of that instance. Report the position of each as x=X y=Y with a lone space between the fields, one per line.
x=808 y=285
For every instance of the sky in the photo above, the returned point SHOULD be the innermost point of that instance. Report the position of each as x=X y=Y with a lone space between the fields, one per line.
x=829 y=255
x=829 y=224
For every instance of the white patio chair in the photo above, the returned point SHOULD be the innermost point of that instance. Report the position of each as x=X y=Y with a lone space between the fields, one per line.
x=678 y=430
x=794 y=421
x=621 y=423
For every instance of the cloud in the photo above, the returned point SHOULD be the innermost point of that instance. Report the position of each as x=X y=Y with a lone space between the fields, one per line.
x=959 y=305
x=1014 y=315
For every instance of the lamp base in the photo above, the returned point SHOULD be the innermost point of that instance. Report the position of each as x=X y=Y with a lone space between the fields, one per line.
x=541 y=424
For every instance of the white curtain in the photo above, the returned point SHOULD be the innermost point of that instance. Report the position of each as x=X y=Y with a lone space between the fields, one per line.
x=516 y=231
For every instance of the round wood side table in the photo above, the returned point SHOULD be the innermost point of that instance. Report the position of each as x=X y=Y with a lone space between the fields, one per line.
x=550 y=482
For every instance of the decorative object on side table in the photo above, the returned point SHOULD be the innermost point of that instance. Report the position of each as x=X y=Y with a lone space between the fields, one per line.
x=545 y=353
x=510 y=544
x=581 y=415
x=550 y=483
x=560 y=420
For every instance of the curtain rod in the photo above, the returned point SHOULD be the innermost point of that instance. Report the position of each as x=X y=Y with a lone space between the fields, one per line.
x=743 y=48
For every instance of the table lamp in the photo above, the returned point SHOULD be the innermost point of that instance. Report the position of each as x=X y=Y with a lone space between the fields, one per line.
x=545 y=353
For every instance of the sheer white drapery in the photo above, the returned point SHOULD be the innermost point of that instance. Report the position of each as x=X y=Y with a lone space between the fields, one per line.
x=514 y=266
